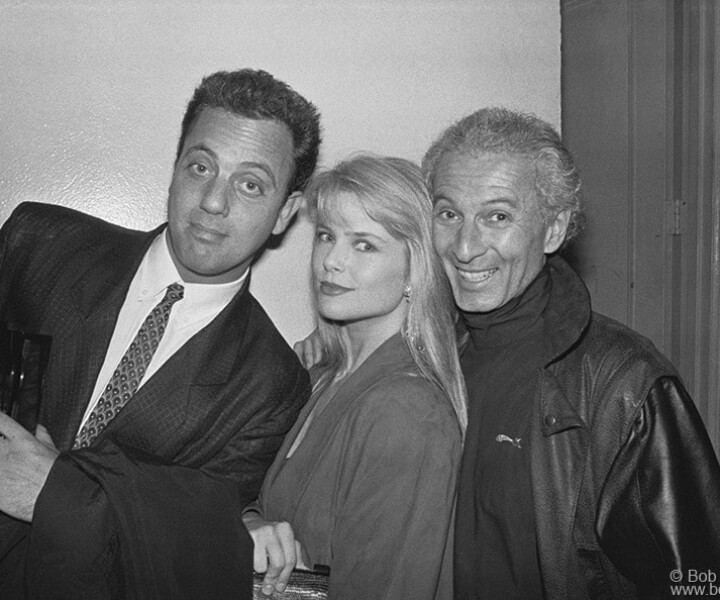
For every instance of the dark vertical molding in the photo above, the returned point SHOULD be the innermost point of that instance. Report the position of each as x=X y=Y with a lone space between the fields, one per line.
x=706 y=335
x=632 y=138
x=703 y=138
x=673 y=313
x=713 y=419
x=695 y=306
x=649 y=163
x=595 y=81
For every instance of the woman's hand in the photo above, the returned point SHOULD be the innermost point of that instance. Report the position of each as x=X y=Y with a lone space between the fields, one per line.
x=309 y=350
x=277 y=552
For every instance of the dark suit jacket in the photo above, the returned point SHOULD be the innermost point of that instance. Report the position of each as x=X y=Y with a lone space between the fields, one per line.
x=206 y=425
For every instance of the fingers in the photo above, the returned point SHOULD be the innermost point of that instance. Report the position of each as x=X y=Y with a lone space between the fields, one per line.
x=309 y=350
x=282 y=559
x=309 y=356
x=43 y=436
x=298 y=349
x=316 y=349
x=301 y=558
x=275 y=552
x=301 y=349
x=25 y=463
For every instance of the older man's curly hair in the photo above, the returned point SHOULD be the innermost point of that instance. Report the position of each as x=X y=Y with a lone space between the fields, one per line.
x=502 y=131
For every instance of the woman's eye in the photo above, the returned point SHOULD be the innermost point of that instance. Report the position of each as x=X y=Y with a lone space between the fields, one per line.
x=364 y=246
x=445 y=215
x=323 y=236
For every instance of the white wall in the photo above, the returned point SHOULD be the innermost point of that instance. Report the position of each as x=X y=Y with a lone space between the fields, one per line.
x=92 y=92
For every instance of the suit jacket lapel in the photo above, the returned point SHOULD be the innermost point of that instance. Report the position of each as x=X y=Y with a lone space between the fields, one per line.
x=97 y=294
x=209 y=358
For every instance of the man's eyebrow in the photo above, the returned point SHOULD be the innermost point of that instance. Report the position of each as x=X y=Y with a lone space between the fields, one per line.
x=263 y=167
x=201 y=148
x=509 y=200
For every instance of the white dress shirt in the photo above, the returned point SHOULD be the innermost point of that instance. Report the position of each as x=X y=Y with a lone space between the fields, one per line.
x=201 y=303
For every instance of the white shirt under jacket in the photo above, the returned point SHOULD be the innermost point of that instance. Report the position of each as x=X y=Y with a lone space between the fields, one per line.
x=201 y=303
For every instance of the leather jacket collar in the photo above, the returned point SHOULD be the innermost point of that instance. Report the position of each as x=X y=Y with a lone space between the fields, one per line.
x=567 y=314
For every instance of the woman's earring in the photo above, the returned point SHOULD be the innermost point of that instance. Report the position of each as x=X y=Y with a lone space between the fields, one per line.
x=406 y=294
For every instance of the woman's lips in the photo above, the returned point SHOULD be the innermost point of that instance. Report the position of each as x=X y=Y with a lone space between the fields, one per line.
x=332 y=289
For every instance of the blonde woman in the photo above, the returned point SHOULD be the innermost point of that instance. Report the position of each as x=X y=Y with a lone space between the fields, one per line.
x=364 y=483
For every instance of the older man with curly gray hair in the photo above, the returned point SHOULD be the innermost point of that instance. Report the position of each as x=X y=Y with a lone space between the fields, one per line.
x=587 y=471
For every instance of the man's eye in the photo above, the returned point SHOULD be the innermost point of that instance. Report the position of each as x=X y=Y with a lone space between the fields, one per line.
x=250 y=188
x=199 y=168
x=499 y=217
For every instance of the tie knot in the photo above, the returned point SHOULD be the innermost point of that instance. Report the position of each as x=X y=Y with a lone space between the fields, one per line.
x=175 y=292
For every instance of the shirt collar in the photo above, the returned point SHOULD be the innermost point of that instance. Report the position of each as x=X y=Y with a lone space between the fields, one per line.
x=157 y=271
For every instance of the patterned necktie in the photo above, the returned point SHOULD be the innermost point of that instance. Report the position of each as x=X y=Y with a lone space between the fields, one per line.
x=127 y=376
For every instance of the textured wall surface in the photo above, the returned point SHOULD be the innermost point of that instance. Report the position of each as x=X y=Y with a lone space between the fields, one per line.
x=92 y=93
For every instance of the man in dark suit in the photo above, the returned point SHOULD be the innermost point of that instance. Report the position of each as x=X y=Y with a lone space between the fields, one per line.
x=168 y=389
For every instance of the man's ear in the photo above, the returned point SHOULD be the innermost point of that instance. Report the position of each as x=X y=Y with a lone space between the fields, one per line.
x=556 y=231
x=288 y=210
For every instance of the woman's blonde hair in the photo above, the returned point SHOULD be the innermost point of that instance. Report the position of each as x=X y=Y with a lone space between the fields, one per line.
x=392 y=193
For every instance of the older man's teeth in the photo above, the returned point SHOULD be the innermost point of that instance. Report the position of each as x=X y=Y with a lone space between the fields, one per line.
x=476 y=276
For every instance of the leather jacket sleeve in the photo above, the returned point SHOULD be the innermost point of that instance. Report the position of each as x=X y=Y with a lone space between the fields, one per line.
x=659 y=509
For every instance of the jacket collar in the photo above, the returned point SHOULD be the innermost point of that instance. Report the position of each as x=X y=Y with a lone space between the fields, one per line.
x=567 y=314
x=558 y=460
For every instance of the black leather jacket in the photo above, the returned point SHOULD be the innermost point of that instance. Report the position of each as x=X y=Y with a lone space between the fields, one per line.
x=626 y=484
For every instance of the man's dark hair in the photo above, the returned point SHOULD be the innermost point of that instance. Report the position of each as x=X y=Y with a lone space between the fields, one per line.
x=258 y=95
